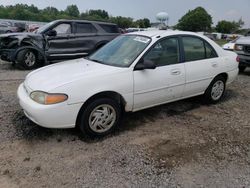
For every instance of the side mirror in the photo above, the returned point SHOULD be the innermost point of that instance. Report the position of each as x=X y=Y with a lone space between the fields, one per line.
x=145 y=64
x=52 y=33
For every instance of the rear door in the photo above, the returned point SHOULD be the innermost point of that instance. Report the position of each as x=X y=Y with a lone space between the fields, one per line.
x=85 y=37
x=201 y=64
x=166 y=82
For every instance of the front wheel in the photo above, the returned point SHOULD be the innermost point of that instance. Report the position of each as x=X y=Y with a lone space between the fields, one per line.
x=28 y=59
x=100 y=117
x=215 y=90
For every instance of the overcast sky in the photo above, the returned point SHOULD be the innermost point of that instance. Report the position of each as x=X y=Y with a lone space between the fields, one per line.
x=219 y=9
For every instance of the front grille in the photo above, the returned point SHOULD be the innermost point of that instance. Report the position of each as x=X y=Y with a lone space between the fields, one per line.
x=247 y=49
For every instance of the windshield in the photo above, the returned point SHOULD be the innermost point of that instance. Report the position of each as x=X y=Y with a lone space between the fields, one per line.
x=121 y=51
x=44 y=27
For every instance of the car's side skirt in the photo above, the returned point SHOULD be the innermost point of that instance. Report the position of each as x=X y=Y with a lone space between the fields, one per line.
x=169 y=101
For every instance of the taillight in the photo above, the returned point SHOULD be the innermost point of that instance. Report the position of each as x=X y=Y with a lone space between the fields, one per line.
x=238 y=59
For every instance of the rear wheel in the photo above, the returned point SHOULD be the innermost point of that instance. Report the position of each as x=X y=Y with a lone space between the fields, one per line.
x=215 y=90
x=100 y=117
x=28 y=59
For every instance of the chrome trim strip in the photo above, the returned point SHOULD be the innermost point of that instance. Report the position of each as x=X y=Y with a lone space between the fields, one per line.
x=209 y=78
x=166 y=87
x=68 y=54
x=157 y=89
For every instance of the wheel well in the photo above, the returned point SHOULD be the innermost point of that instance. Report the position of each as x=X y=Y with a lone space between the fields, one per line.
x=224 y=75
x=106 y=94
x=29 y=46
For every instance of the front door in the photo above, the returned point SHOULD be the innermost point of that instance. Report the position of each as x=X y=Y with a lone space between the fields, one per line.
x=60 y=45
x=166 y=82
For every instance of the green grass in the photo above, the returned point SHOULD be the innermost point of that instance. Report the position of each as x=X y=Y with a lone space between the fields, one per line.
x=221 y=42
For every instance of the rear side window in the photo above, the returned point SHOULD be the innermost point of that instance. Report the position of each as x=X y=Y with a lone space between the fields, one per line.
x=109 y=28
x=85 y=28
x=210 y=53
x=193 y=48
x=197 y=49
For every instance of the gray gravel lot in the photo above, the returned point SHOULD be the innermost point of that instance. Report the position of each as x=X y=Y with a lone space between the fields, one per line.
x=182 y=144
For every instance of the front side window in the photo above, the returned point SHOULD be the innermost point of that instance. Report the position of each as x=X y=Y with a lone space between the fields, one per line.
x=165 y=52
x=193 y=48
x=121 y=51
x=85 y=28
x=63 y=28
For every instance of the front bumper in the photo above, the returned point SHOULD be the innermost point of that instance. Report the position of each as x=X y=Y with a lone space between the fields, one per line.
x=7 y=54
x=59 y=115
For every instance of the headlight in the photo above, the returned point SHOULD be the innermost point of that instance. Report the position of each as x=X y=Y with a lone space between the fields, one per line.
x=238 y=47
x=48 y=98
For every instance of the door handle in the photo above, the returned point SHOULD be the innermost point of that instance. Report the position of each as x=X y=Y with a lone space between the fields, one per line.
x=175 y=72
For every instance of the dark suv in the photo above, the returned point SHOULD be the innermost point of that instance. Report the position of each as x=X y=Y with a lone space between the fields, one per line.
x=55 y=41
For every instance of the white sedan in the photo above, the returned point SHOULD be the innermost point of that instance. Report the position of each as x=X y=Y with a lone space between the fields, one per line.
x=133 y=72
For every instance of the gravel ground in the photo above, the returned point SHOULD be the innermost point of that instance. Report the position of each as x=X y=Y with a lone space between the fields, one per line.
x=182 y=144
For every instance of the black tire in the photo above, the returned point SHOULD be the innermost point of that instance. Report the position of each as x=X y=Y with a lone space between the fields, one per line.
x=88 y=113
x=210 y=94
x=242 y=68
x=27 y=59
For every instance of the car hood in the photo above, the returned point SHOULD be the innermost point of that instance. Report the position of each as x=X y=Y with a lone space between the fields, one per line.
x=56 y=75
x=243 y=40
x=229 y=45
x=19 y=34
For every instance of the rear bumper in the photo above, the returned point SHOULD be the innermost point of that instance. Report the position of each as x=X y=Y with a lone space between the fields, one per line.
x=232 y=75
x=59 y=115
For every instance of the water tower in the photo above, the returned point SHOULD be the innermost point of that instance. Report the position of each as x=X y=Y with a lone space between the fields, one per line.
x=162 y=17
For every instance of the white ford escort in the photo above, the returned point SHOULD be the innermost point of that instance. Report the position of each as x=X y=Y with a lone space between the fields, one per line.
x=133 y=72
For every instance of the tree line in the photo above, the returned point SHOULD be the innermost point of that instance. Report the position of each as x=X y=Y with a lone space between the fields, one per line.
x=200 y=20
x=32 y=13
x=194 y=20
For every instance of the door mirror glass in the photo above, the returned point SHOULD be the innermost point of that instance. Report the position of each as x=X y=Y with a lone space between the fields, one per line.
x=145 y=64
x=52 y=33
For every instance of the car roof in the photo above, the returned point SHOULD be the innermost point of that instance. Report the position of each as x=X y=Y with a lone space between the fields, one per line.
x=85 y=21
x=163 y=33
